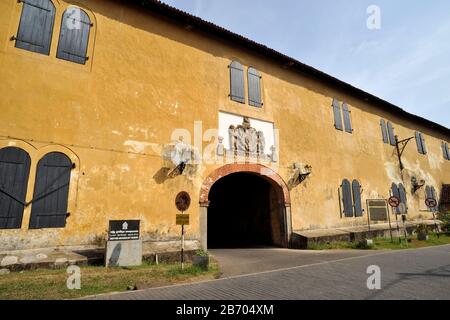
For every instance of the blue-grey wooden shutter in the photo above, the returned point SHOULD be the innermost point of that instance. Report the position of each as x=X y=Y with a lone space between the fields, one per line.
x=395 y=193
x=434 y=196
x=337 y=115
x=347 y=118
x=418 y=142
x=428 y=193
x=14 y=173
x=383 y=131
x=356 y=188
x=402 y=193
x=445 y=151
x=422 y=143
x=237 y=82
x=391 y=133
x=254 y=88
x=51 y=191
x=74 y=36
x=36 y=26
x=347 y=198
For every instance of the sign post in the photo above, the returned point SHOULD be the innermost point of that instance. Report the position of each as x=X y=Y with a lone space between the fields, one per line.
x=402 y=210
x=432 y=204
x=394 y=202
x=182 y=202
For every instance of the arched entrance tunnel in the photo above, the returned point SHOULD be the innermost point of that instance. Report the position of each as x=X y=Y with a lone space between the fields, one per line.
x=244 y=211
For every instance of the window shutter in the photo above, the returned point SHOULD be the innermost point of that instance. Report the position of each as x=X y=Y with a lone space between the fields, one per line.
x=391 y=133
x=347 y=119
x=395 y=193
x=254 y=88
x=14 y=173
x=337 y=115
x=383 y=131
x=434 y=196
x=356 y=188
x=36 y=26
x=402 y=193
x=347 y=198
x=418 y=142
x=428 y=193
x=445 y=151
x=74 y=36
x=422 y=143
x=51 y=192
x=237 y=82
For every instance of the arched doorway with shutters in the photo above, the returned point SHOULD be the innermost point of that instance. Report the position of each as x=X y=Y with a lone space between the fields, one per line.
x=244 y=205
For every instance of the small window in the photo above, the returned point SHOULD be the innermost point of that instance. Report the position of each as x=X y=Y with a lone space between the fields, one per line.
x=347 y=198
x=420 y=141
x=384 y=131
x=254 y=88
x=391 y=133
x=347 y=118
x=445 y=151
x=337 y=115
x=36 y=26
x=356 y=189
x=14 y=173
x=74 y=36
x=51 y=192
x=237 y=82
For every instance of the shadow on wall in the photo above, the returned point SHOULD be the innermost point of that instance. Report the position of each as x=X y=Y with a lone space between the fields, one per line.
x=115 y=255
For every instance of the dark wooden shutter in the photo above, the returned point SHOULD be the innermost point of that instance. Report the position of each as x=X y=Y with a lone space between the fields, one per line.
x=434 y=196
x=237 y=82
x=347 y=198
x=36 y=26
x=395 y=193
x=254 y=88
x=391 y=133
x=428 y=193
x=74 y=36
x=445 y=151
x=51 y=191
x=402 y=193
x=418 y=142
x=337 y=115
x=14 y=173
x=356 y=188
x=422 y=143
x=384 y=131
x=347 y=118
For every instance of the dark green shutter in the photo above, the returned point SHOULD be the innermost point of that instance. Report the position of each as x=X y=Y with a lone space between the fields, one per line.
x=383 y=131
x=347 y=198
x=337 y=115
x=36 y=26
x=347 y=118
x=254 y=88
x=14 y=173
x=356 y=188
x=391 y=133
x=51 y=191
x=237 y=82
x=74 y=36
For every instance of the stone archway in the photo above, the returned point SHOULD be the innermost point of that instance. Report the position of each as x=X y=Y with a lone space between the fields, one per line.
x=270 y=176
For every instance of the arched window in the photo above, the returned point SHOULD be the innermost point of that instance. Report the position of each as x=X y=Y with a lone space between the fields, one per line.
x=36 y=26
x=237 y=82
x=254 y=88
x=356 y=189
x=14 y=173
x=74 y=36
x=347 y=198
x=51 y=191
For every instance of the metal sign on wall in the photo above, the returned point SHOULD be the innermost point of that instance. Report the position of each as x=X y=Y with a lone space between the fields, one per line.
x=378 y=209
x=182 y=219
x=122 y=230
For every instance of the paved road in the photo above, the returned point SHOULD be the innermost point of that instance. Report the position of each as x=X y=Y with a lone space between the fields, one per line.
x=409 y=274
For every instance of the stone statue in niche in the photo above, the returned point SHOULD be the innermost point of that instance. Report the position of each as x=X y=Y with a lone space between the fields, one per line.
x=246 y=139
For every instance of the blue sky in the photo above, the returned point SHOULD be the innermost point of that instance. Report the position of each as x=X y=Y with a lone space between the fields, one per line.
x=406 y=61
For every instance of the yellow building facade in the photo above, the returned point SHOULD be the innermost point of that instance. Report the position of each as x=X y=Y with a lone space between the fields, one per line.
x=152 y=75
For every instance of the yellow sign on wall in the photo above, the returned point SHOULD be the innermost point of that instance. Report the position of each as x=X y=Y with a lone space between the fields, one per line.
x=182 y=219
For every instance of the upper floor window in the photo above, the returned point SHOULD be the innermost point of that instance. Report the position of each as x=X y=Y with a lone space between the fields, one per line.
x=445 y=151
x=347 y=124
x=420 y=141
x=36 y=26
x=237 y=82
x=254 y=88
x=388 y=132
x=74 y=36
